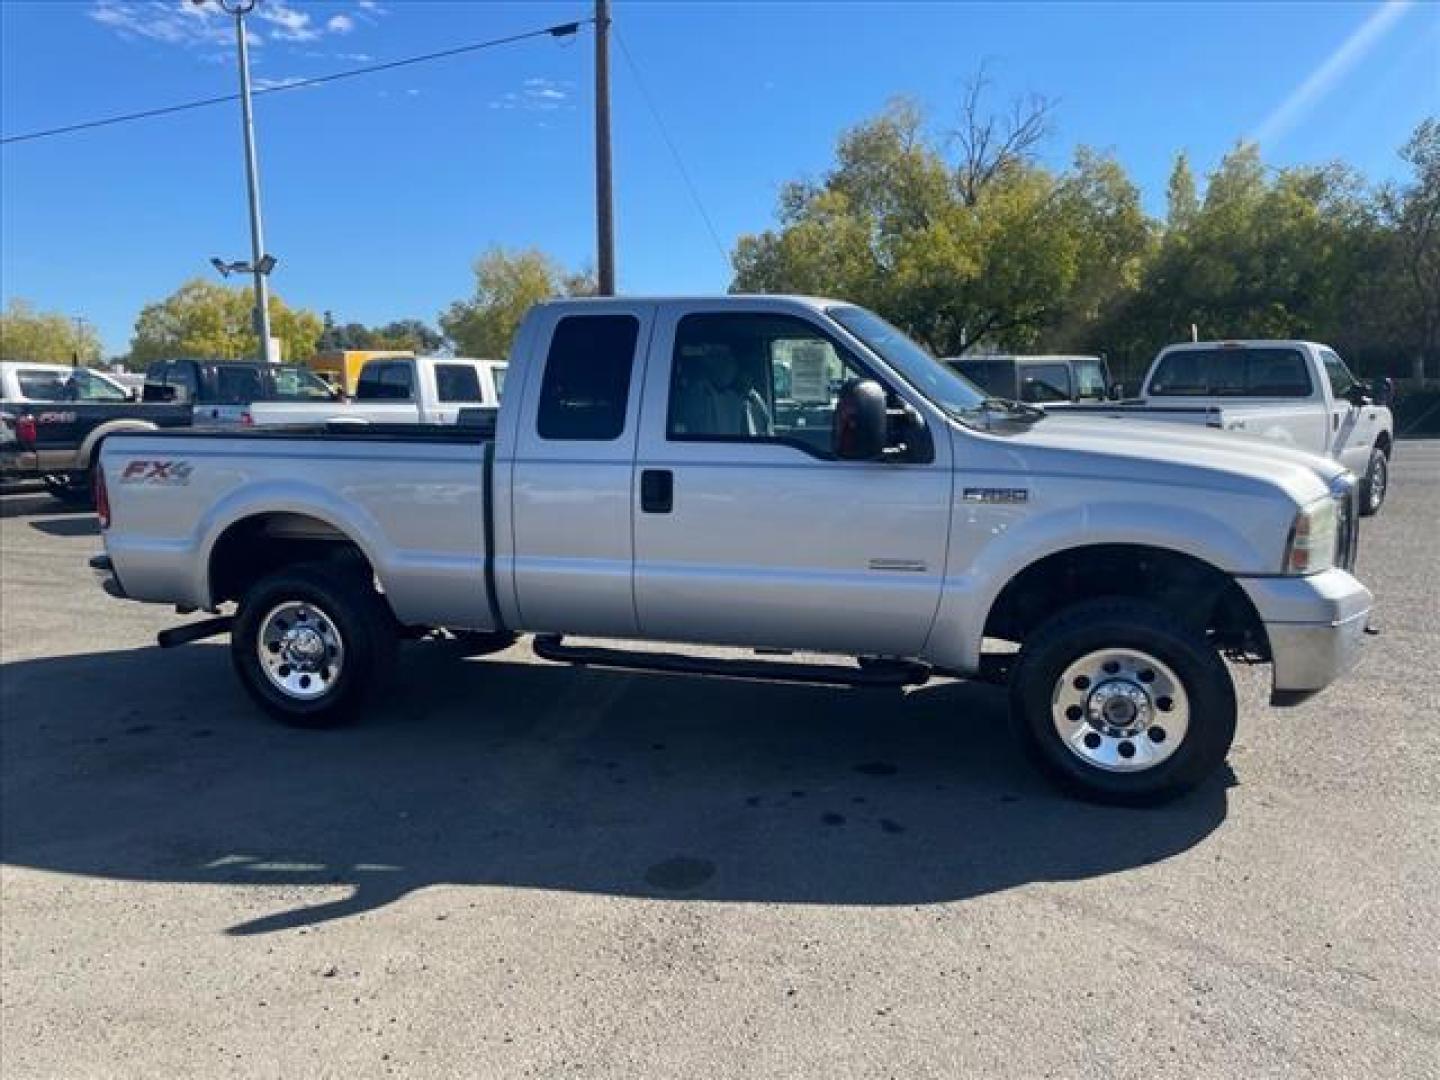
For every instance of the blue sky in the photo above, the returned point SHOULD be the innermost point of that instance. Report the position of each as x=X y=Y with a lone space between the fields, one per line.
x=379 y=192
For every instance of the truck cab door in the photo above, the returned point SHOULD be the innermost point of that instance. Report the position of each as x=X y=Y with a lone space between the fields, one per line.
x=748 y=529
x=570 y=512
x=1351 y=429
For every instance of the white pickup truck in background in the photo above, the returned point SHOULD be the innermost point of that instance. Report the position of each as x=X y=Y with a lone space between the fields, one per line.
x=1299 y=393
x=399 y=390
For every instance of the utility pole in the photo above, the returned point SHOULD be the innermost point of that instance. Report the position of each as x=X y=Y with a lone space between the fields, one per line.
x=252 y=177
x=604 y=191
x=260 y=264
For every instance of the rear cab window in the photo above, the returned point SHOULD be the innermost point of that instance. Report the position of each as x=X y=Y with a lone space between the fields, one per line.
x=1232 y=372
x=41 y=384
x=457 y=382
x=586 y=388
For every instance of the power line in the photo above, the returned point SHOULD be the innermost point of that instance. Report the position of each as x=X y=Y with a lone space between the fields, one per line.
x=674 y=151
x=558 y=30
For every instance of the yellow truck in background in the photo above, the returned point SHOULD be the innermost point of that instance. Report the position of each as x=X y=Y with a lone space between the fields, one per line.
x=341 y=367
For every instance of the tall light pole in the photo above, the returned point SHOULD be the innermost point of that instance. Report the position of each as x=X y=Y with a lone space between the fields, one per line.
x=604 y=194
x=260 y=263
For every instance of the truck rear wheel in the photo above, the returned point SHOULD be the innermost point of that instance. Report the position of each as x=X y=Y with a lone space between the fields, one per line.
x=311 y=642
x=1120 y=702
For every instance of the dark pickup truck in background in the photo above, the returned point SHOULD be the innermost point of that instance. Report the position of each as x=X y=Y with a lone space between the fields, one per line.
x=52 y=419
x=220 y=392
x=1038 y=379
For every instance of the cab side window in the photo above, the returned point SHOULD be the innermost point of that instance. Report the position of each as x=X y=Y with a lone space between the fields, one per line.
x=586 y=386
x=1090 y=381
x=1045 y=382
x=1337 y=374
x=755 y=377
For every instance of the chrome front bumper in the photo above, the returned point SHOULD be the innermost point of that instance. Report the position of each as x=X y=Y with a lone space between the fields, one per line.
x=1316 y=626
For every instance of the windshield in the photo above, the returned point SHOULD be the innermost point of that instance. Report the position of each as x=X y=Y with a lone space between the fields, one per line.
x=944 y=386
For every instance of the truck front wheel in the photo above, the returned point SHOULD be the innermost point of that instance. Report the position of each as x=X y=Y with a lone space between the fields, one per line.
x=311 y=642
x=1120 y=702
x=1375 y=483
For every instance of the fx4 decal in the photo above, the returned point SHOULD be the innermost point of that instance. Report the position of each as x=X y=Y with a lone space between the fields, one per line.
x=172 y=473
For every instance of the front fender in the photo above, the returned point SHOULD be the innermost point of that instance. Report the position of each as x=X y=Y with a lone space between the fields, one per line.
x=992 y=544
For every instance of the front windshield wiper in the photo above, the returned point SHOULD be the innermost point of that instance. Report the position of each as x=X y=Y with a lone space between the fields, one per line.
x=1019 y=411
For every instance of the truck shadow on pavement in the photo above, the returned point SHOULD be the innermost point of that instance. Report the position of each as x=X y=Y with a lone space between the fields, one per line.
x=150 y=766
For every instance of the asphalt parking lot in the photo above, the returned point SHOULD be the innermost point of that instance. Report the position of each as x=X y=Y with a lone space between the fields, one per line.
x=515 y=868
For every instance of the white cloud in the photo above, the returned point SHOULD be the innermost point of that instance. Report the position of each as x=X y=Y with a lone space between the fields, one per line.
x=276 y=84
x=1324 y=78
x=355 y=57
x=287 y=24
x=340 y=24
x=537 y=95
x=167 y=21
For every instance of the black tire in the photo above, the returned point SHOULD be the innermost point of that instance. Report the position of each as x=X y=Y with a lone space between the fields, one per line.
x=1128 y=625
x=1375 y=484
x=359 y=615
x=72 y=489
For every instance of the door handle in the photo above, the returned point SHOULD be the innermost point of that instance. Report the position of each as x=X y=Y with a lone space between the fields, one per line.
x=657 y=491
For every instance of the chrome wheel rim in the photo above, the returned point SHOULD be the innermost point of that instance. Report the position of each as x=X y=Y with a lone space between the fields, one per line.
x=1379 y=476
x=300 y=650
x=1121 y=710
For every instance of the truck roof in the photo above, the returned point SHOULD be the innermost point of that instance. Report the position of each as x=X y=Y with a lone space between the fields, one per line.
x=778 y=300
x=1246 y=343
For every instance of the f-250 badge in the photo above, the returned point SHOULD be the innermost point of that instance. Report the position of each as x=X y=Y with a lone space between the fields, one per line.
x=996 y=495
x=141 y=471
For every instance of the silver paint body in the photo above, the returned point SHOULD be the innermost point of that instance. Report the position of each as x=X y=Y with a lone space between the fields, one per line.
x=766 y=545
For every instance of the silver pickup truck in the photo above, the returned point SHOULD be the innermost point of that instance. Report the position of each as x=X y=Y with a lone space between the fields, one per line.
x=776 y=473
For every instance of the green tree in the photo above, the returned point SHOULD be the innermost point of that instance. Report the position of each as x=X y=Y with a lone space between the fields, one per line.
x=1182 y=204
x=1413 y=214
x=507 y=284
x=984 y=246
x=205 y=320
x=45 y=336
x=413 y=335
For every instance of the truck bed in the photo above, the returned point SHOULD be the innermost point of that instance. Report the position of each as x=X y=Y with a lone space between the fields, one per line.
x=181 y=499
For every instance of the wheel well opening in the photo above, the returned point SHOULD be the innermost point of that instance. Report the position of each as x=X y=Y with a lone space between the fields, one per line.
x=258 y=546
x=1187 y=587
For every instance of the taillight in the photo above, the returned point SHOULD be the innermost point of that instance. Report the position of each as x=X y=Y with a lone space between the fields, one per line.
x=246 y=420
x=25 y=430
x=102 y=497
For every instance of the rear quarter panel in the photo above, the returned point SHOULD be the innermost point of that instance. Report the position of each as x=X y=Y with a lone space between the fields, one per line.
x=414 y=509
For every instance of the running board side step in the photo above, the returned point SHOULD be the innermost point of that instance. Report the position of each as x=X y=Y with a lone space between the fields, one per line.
x=195 y=631
x=892 y=673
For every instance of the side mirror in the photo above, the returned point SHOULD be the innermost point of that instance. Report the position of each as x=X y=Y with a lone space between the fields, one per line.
x=859 y=428
x=1358 y=395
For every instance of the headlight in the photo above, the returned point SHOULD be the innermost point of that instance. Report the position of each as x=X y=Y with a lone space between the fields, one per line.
x=1313 y=538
